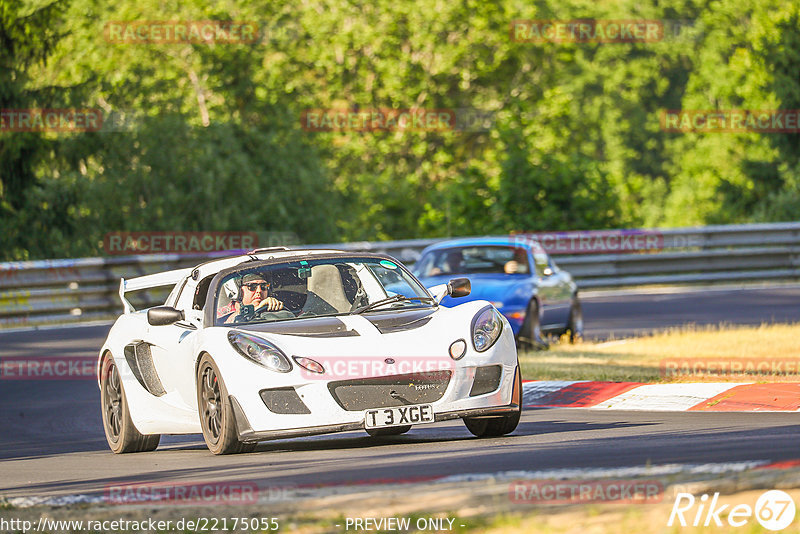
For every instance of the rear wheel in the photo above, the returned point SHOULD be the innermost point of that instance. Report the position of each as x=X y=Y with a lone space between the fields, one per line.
x=488 y=427
x=390 y=431
x=121 y=434
x=216 y=413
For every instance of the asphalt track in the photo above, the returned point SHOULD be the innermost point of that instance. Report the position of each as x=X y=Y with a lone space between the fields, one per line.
x=51 y=437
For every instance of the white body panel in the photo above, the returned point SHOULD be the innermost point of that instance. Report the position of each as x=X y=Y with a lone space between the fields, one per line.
x=176 y=349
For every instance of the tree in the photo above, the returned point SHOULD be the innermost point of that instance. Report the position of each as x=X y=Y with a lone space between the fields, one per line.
x=27 y=38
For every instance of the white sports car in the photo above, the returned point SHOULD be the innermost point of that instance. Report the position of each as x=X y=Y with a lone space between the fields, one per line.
x=280 y=343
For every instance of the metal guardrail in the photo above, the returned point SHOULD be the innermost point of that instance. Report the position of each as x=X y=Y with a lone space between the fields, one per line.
x=80 y=290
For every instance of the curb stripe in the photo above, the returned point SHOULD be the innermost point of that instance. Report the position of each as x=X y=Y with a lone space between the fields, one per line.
x=665 y=397
x=585 y=394
x=786 y=464
x=533 y=391
x=702 y=396
x=779 y=397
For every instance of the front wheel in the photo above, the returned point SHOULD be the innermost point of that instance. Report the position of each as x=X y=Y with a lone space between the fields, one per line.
x=575 y=322
x=530 y=334
x=491 y=427
x=216 y=413
x=121 y=434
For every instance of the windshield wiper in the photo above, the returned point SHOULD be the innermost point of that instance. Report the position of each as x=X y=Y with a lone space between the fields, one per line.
x=389 y=300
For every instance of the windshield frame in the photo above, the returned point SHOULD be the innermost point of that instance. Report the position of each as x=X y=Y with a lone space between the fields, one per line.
x=209 y=309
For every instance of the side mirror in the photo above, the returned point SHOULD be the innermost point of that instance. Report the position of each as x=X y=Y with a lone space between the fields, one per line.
x=163 y=315
x=459 y=287
x=547 y=271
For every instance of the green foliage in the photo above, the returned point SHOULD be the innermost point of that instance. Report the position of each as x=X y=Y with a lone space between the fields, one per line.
x=28 y=35
x=554 y=193
x=748 y=60
x=212 y=138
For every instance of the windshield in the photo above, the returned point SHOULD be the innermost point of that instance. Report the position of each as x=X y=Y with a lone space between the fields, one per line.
x=314 y=288
x=471 y=260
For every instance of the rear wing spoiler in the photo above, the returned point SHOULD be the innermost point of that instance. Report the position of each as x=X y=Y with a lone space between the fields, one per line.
x=167 y=278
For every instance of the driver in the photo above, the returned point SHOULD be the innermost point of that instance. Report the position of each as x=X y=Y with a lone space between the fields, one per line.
x=519 y=263
x=453 y=263
x=254 y=291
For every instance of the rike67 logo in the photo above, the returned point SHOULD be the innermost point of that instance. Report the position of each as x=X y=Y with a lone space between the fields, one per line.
x=774 y=510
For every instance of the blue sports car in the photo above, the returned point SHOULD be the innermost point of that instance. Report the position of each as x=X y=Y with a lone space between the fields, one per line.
x=516 y=275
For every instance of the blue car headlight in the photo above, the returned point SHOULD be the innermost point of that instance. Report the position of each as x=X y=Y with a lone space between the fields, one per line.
x=486 y=328
x=260 y=351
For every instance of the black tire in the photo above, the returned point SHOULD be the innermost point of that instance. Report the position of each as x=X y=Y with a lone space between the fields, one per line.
x=575 y=322
x=492 y=427
x=530 y=334
x=121 y=434
x=216 y=413
x=390 y=431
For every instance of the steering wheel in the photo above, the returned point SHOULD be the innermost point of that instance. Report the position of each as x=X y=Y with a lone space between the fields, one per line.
x=247 y=314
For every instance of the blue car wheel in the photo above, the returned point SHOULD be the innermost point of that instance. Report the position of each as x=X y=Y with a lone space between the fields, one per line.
x=531 y=332
x=575 y=323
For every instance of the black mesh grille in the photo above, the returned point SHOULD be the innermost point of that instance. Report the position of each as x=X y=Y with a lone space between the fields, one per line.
x=487 y=379
x=283 y=401
x=140 y=360
x=387 y=391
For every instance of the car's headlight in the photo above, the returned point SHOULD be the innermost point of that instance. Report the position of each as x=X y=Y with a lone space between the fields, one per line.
x=260 y=351
x=486 y=328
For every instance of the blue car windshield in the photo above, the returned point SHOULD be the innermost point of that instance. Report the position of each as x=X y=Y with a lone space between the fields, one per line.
x=473 y=260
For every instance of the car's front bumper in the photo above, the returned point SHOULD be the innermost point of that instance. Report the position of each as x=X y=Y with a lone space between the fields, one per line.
x=328 y=412
x=271 y=405
x=247 y=434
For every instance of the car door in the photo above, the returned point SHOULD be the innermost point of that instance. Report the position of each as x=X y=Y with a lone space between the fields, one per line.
x=550 y=289
x=173 y=348
x=562 y=293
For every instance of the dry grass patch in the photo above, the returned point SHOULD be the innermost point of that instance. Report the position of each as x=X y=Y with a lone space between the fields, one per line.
x=644 y=359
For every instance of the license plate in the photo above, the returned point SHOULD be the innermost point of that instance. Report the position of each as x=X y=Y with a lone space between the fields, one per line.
x=400 y=416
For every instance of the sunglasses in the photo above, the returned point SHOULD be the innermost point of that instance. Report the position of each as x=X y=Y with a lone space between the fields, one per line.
x=252 y=286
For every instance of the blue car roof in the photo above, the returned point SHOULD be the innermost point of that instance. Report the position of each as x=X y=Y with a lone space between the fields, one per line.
x=522 y=241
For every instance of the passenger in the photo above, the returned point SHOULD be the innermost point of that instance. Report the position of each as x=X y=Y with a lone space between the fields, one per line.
x=452 y=264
